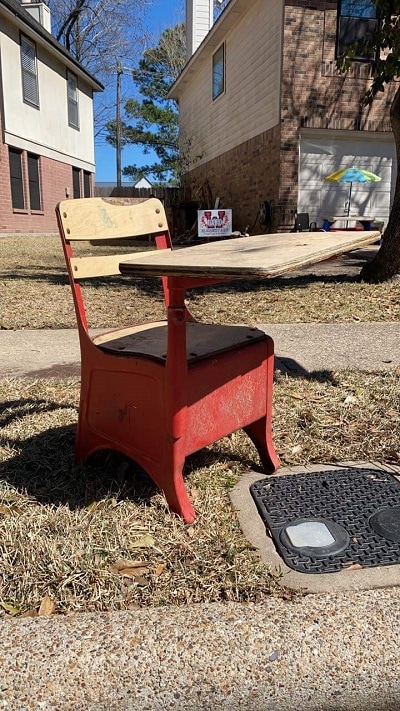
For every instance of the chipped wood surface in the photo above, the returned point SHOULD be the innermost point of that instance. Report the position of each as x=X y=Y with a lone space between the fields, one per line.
x=107 y=265
x=104 y=219
x=260 y=256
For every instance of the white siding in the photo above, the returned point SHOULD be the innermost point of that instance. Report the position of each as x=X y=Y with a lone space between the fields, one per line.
x=199 y=20
x=46 y=129
x=250 y=104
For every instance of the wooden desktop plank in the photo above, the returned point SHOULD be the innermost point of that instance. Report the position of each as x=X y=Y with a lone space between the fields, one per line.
x=262 y=255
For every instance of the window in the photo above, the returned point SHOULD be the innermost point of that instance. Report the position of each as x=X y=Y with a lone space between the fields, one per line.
x=76 y=182
x=30 y=85
x=17 y=186
x=72 y=97
x=218 y=72
x=86 y=184
x=356 y=20
x=35 y=202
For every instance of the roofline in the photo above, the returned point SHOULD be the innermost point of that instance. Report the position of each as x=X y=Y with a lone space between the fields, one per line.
x=13 y=9
x=211 y=41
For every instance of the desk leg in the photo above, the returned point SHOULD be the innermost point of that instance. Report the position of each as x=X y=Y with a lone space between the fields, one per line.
x=260 y=432
x=176 y=386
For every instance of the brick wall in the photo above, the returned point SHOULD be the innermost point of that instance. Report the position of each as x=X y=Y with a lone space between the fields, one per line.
x=314 y=94
x=55 y=177
x=242 y=178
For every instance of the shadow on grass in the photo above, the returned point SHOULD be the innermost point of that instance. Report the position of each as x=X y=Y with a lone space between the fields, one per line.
x=152 y=285
x=293 y=369
x=44 y=469
x=43 y=466
x=12 y=410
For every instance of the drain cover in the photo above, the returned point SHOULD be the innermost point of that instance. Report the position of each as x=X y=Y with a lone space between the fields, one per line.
x=386 y=522
x=327 y=521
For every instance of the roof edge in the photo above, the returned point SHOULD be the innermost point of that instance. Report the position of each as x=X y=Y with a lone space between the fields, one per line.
x=16 y=11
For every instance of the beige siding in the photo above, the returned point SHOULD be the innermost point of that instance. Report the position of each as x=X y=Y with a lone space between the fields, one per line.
x=250 y=104
x=44 y=129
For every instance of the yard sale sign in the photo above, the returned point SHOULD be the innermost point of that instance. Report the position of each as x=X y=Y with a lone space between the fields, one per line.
x=214 y=223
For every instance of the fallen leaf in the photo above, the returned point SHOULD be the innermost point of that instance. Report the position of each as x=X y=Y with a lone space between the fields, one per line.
x=131 y=572
x=29 y=613
x=141 y=581
x=354 y=566
x=93 y=506
x=13 y=508
x=160 y=569
x=9 y=608
x=146 y=541
x=121 y=563
x=47 y=606
x=296 y=396
x=191 y=531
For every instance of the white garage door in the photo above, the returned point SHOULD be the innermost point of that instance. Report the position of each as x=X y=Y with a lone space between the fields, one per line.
x=323 y=152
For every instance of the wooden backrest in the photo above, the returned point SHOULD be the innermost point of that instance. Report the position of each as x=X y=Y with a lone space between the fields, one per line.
x=98 y=220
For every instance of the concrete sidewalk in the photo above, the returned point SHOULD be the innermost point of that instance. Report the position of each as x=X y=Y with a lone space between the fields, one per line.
x=316 y=653
x=299 y=347
x=333 y=651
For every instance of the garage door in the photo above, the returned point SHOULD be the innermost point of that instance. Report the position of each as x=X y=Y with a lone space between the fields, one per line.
x=323 y=152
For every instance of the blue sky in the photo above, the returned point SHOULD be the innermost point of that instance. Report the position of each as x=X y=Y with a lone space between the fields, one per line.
x=160 y=15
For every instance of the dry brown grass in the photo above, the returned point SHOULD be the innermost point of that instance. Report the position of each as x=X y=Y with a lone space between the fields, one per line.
x=65 y=530
x=101 y=537
x=34 y=293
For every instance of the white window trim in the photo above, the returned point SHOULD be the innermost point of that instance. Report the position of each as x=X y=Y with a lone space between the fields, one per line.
x=29 y=75
x=72 y=100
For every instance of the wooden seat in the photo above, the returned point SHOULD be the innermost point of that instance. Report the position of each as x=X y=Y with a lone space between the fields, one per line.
x=202 y=340
x=160 y=391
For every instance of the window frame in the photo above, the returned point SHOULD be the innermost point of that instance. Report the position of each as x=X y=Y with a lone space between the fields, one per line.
x=34 y=180
x=76 y=182
x=29 y=77
x=72 y=101
x=216 y=62
x=352 y=20
x=19 y=178
x=86 y=184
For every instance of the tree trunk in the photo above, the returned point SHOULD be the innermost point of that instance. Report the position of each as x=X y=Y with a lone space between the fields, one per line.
x=386 y=263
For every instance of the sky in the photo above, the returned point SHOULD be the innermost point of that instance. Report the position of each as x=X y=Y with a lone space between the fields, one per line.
x=160 y=15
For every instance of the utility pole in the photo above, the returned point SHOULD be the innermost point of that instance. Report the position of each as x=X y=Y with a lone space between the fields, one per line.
x=120 y=72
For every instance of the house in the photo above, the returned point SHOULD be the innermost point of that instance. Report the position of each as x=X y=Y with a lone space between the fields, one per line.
x=143 y=183
x=265 y=115
x=46 y=121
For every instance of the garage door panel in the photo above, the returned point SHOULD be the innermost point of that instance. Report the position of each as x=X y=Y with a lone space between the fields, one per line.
x=325 y=153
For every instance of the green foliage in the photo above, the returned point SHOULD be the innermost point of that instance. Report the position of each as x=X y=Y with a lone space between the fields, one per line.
x=152 y=121
x=384 y=44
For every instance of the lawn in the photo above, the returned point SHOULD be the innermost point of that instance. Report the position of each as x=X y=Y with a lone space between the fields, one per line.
x=32 y=273
x=101 y=537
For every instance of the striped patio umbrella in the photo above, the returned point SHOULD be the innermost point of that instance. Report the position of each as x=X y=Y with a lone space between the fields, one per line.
x=352 y=175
